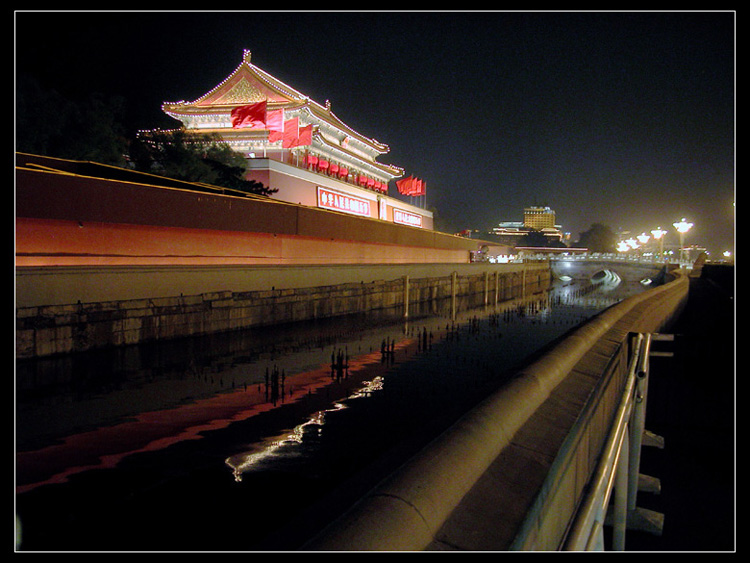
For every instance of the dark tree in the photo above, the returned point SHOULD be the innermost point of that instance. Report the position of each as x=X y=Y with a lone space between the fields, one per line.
x=49 y=124
x=535 y=238
x=599 y=238
x=193 y=157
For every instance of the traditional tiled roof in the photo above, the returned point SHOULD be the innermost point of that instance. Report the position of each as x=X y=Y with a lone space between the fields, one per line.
x=249 y=84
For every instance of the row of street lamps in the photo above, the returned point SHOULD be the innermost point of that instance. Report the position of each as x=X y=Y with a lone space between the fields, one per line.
x=682 y=227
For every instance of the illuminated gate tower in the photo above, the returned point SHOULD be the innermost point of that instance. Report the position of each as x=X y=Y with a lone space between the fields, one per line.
x=316 y=161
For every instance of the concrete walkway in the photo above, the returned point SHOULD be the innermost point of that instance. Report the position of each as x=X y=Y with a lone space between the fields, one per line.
x=691 y=404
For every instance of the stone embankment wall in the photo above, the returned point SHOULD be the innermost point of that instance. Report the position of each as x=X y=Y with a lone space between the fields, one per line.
x=76 y=327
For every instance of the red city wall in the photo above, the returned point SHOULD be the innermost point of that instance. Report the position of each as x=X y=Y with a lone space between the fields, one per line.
x=65 y=219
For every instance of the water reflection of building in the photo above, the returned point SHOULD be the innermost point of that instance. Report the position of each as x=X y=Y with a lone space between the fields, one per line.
x=298 y=146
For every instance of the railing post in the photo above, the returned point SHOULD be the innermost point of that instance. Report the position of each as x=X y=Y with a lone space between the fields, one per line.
x=497 y=286
x=622 y=478
x=640 y=518
x=454 y=292
x=406 y=297
x=486 y=288
x=639 y=420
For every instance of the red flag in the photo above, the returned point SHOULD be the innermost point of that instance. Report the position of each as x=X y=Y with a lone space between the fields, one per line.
x=294 y=136
x=411 y=186
x=252 y=116
x=275 y=125
x=305 y=136
x=291 y=132
x=405 y=185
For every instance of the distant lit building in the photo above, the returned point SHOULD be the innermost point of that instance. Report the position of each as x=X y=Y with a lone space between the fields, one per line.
x=298 y=146
x=538 y=228
x=512 y=233
x=539 y=218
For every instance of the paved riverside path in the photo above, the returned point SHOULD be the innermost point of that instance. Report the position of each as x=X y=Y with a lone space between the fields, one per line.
x=691 y=404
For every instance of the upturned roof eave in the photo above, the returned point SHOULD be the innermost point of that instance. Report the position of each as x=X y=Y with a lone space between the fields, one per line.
x=292 y=99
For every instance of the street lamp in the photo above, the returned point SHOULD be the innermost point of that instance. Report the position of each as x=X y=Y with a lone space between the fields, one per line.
x=682 y=227
x=659 y=235
x=642 y=240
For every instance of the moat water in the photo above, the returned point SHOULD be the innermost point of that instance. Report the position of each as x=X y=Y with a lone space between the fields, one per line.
x=254 y=440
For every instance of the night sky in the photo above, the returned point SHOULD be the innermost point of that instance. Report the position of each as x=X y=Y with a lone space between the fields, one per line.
x=620 y=118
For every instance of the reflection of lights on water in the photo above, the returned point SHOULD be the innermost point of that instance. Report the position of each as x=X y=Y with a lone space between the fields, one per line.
x=370 y=387
x=296 y=436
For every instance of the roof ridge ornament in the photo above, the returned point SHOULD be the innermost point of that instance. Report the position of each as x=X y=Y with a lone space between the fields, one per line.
x=246 y=55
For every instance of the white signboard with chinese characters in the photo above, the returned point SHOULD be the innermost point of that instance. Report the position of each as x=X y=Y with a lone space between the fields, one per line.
x=405 y=218
x=337 y=201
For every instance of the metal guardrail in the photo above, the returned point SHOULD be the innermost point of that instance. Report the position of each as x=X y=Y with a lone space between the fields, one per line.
x=600 y=455
x=618 y=470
